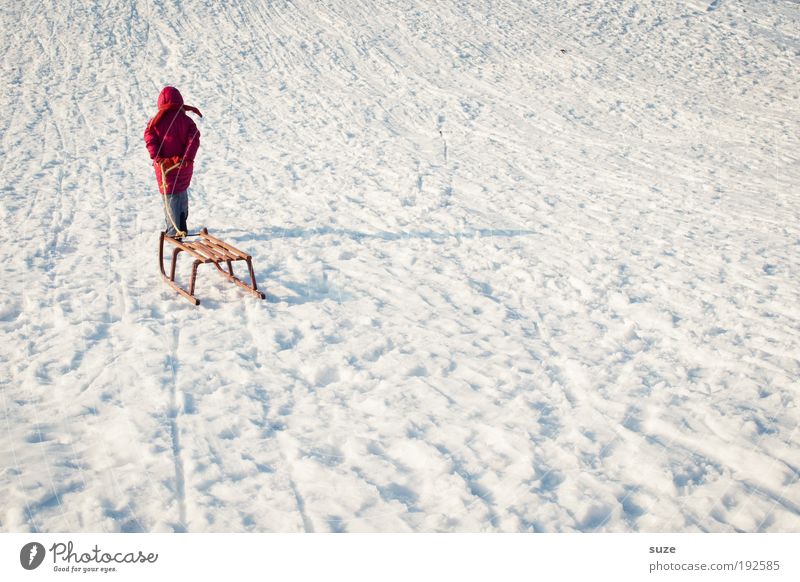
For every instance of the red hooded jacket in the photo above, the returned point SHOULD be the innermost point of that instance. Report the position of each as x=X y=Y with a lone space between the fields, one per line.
x=173 y=134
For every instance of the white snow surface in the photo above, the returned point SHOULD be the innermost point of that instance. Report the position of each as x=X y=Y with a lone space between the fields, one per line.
x=530 y=266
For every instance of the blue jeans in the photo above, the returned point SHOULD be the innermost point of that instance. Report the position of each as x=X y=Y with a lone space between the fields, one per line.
x=177 y=205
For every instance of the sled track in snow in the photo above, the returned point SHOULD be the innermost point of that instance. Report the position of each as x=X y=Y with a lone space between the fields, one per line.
x=173 y=415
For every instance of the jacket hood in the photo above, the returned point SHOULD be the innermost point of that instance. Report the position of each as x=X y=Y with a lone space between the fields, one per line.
x=171 y=96
x=170 y=99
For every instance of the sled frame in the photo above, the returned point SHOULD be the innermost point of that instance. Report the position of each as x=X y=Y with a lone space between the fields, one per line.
x=206 y=249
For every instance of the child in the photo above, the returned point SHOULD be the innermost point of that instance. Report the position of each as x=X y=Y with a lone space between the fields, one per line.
x=172 y=139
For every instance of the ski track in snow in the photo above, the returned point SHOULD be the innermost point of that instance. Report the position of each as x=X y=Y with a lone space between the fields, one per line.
x=529 y=268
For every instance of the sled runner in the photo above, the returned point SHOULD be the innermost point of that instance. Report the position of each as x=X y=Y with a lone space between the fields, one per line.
x=206 y=249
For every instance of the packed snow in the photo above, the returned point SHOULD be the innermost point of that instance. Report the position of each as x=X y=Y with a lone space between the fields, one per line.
x=530 y=267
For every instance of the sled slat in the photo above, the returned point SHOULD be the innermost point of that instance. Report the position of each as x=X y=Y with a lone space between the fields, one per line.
x=233 y=250
x=224 y=250
x=208 y=252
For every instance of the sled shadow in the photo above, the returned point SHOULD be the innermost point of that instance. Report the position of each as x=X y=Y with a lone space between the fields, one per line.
x=318 y=289
x=313 y=289
x=278 y=233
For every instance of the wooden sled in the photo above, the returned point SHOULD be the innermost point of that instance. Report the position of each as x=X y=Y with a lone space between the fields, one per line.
x=206 y=249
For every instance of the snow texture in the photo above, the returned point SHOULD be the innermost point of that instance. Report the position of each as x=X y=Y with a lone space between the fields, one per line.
x=530 y=266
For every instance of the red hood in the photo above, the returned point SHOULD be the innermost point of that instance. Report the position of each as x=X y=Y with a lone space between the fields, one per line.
x=169 y=96
x=171 y=99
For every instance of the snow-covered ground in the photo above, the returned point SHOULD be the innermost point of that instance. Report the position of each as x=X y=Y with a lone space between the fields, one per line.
x=544 y=263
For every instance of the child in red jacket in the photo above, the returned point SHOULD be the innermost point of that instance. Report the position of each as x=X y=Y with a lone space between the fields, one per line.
x=172 y=139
